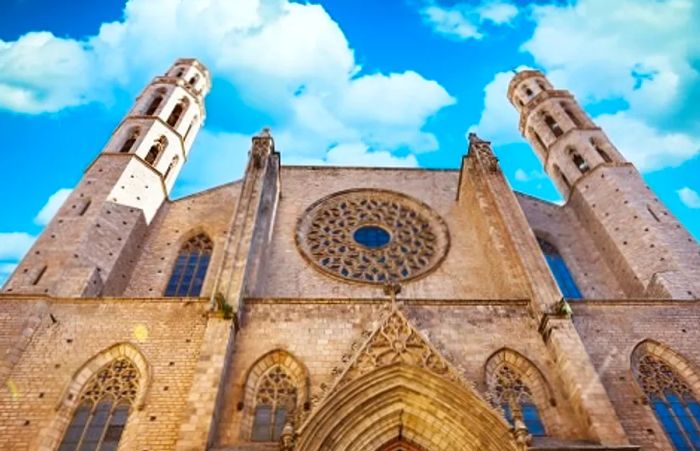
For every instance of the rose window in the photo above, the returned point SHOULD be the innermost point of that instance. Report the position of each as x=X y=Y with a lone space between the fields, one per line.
x=372 y=236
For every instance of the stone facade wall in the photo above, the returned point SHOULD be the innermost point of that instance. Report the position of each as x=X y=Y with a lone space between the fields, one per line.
x=611 y=330
x=209 y=212
x=461 y=275
x=166 y=333
x=560 y=226
x=318 y=334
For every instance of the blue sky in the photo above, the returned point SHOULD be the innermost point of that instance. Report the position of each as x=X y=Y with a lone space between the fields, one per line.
x=363 y=82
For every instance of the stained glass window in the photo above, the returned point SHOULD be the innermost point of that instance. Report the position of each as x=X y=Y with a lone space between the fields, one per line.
x=372 y=236
x=190 y=267
x=673 y=402
x=276 y=397
x=510 y=391
x=561 y=272
x=104 y=407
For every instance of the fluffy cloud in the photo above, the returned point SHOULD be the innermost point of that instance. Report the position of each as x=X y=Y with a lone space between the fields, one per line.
x=52 y=205
x=689 y=197
x=499 y=119
x=463 y=21
x=640 y=52
x=290 y=61
x=13 y=245
x=523 y=176
x=357 y=154
x=647 y=147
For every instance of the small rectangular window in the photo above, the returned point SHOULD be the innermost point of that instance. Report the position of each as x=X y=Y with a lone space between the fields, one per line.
x=38 y=277
x=653 y=215
x=85 y=207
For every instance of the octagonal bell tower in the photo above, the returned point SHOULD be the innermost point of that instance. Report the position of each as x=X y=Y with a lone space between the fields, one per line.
x=653 y=255
x=89 y=247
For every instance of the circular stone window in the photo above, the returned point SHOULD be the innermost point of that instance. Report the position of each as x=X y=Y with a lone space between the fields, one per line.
x=372 y=236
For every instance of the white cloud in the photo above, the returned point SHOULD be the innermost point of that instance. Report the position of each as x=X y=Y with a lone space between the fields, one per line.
x=464 y=21
x=13 y=245
x=647 y=147
x=52 y=205
x=290 y=61
x=640 y=52
x=357 y=154
x=499 y=119
x=689 y=197
x=523 y=176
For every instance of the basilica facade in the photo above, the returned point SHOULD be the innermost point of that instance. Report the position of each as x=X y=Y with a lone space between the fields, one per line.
x=325 y=308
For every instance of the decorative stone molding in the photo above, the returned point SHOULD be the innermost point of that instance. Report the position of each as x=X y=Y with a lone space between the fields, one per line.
x=85 y=381
x=294 y=374
x=419 y=238
x=659 y=368
x=397 y=381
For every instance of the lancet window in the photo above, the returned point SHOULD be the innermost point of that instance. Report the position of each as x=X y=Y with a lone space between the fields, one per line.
x=105 y=403
x=275 y=402
x=177 y=112
x=578 y=160
x=155 y=103
x=190 y=267
x=156 y=149
x=603 y=154
x=560 y=270
x=130 y=140
x=552 y=124
x=672 y=400
x=515 y=397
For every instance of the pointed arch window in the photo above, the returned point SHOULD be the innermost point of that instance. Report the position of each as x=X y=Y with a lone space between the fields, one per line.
x=194 y=79
x=561 y=272
x=190 y=267
x=552 y=124
x=538 y=140
x=578 y=160
x=603 y=154
x=172 y=164
x=558 y=173
x=105 y=403
x=130 y=140
x=177 y=112
x=671 y=399
x=275 y=402
x=514 y=396
x=156 y=149
x=574 y=118
x=155 y=103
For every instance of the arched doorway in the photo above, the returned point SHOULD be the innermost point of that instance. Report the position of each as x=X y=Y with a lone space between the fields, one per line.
x=404 y=407
x=400 y=444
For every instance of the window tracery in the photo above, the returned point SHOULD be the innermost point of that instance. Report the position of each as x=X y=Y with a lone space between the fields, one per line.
x=275 y=401
x=190 y=267
x=513 y=395
x=103 y=409
x=331 y=235
x=672 y=400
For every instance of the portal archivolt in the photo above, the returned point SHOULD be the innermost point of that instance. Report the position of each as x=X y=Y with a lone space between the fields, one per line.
x=400 y=401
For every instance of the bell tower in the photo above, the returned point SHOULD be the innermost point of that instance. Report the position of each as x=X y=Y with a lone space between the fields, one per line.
x=653 y=255
x=89 y=247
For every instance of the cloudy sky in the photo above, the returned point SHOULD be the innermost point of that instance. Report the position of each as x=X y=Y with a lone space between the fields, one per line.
x=361 y=82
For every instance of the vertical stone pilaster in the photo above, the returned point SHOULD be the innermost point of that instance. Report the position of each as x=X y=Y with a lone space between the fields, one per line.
x=581 y=382
x=249 y=225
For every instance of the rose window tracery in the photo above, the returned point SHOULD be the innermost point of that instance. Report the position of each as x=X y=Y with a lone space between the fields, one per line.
x=372 y=236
